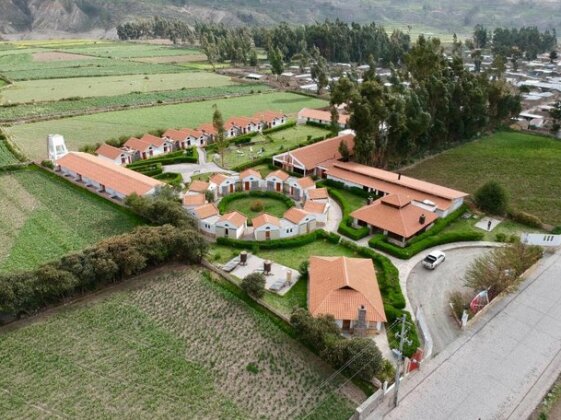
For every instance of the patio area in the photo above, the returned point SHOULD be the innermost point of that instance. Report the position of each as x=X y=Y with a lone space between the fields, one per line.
x=278 y=280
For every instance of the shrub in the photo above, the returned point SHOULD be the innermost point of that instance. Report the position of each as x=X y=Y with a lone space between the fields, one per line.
x=460 y=301
x=256 y=206
x=171 y=178
x=254 y=285
x=556 y=230
x=161 y=210
x=47 y=164
x=525 y=218
x=491 y=198
x=501 y=237
x=272 y=244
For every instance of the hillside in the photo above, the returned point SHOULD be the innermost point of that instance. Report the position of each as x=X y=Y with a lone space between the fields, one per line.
x=441 y=16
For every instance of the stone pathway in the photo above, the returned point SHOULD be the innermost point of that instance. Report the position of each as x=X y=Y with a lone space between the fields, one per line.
x=488 y=223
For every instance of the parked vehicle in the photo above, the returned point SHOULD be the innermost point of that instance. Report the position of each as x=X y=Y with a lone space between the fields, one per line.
x=434 y=259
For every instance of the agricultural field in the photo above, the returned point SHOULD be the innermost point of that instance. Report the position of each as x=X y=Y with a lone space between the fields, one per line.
x=43 y=217
x=269 y=144
x=526 y=165
x=175 y=345
x=6 y=157
x=91 y=129
x=77 y=106
x=56 y=89
x=127 y=50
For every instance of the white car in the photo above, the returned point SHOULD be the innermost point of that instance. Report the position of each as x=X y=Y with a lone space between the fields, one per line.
x=434 y=259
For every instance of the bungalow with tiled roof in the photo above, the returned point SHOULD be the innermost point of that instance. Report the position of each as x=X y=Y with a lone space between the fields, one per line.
x=270 y=119
x=318 y=209
x=428 y=196
x=104 y=176
x=237 y=126
x=303 y=221
x=319 y=195
x=266 y=227
x=275 y=180
x=396 y=217
x=347 y=289
x=298 y=187
x=178 y=137
x=207 y=216
x=250 y=180
x=319 y=116
x=114 y=154
x=192 y=201
x=231 y=225
x=162 y=145
x=209 y=132
x=222 y=184
x=141 y=149
x=198 y=187
x=315 y=158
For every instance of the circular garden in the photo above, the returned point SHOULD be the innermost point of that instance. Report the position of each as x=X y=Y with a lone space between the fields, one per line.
x=254 y=203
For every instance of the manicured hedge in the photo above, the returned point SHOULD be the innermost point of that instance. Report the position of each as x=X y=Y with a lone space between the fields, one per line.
x=286 y=125
x=261 y=161
x=272 y=244
x=525 y=218
x=182 y=156
x=171 y=178
x=339 y=185
x=257 y=194
x=316 y=124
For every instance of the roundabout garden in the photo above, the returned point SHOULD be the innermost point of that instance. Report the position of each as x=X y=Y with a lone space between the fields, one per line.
x=253 y=203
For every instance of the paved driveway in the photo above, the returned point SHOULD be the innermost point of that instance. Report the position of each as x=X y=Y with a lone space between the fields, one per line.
x=503 y=364
x=431 y=289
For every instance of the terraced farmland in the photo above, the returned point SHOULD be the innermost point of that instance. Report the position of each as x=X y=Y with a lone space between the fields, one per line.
x=90 y=129
x=176 y=346
x=42 y=218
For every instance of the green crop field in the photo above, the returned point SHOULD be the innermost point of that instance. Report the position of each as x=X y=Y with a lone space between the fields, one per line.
x=43 y=217
x=526 y=165
x=130 y=50
x=176 y=345
x=55 y=89
x=276 y=142
x=90 y=129
x=76 y=106
x=6 y=157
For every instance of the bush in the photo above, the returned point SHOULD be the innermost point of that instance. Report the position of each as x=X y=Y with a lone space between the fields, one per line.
x=501 y=237
x=286 y=125
x=256 y=206
x=525 y=218
x=491 y=198
x=160 y=209
x=254 y=285
x=460 y=301
x=556 y=230
x=48 y=164
x=172 y=178
x=319 y=125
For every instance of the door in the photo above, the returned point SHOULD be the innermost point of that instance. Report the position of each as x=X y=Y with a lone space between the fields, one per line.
x=247 y=186
x=226 y=232
x=291 y=190
x=278 y=184
x=231 y=188
x=346 y=324
x=267 y=235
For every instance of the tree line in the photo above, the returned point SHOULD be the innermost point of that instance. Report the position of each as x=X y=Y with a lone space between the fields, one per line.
x=527 y=41
x=431 y=102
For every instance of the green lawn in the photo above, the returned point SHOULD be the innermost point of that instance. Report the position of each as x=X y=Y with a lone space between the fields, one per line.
x=354 y=201
x=270 y=205
x=55 y=89
x=203 y=354
x=6 y=157
x=526 y=165
x=271 y=144
x=43 y=217
x=90 y=129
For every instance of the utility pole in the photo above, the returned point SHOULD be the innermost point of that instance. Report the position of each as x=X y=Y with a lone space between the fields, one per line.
x=399 y=360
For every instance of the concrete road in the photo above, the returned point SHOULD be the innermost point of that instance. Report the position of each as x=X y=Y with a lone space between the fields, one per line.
x=431 y=289
x=501 y=366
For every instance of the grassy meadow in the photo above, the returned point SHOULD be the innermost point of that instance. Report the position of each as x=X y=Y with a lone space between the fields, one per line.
x=56 y=89
x=177 y=345
x=43 y=217
x=90 y=129
x=6 y=157
x=526 y=165
x=244 y=205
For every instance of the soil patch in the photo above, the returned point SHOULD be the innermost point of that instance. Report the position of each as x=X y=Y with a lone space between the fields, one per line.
x=59 y=56
x=187 y=58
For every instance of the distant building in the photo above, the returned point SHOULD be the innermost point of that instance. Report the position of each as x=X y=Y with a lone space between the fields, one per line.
x=114 y=154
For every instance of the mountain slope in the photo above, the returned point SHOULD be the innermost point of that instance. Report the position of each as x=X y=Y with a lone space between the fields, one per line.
x=442 y=15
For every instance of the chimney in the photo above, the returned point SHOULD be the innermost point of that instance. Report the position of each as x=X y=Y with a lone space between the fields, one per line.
x=360 y=327
x=370 y=200
x=422 y=219
x=399 y=176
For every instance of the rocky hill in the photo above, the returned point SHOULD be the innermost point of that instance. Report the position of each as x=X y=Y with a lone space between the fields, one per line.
x=44 y=16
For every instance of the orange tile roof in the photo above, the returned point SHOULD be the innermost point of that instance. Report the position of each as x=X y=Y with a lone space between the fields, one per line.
x=137 y=144
x=109 y=151
x=206 y=210
x=192 y=132
x=294 y=215
x=194 y=200
x=340 y=286
x=264 y=219
x=326 y=150
x=115 y=177
x=321 y=115
x=386 y=215
x=268 y=116
x=234 y=217
x=314 y=207
x=282 y=175
x=318 y=194
x=208 y=128
x=218 y=178
x=238 y=122
x=198 y=186
x=405 y=181
x=249 y=172
x=176 y=135
x=306 y=182
x=156 y=141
